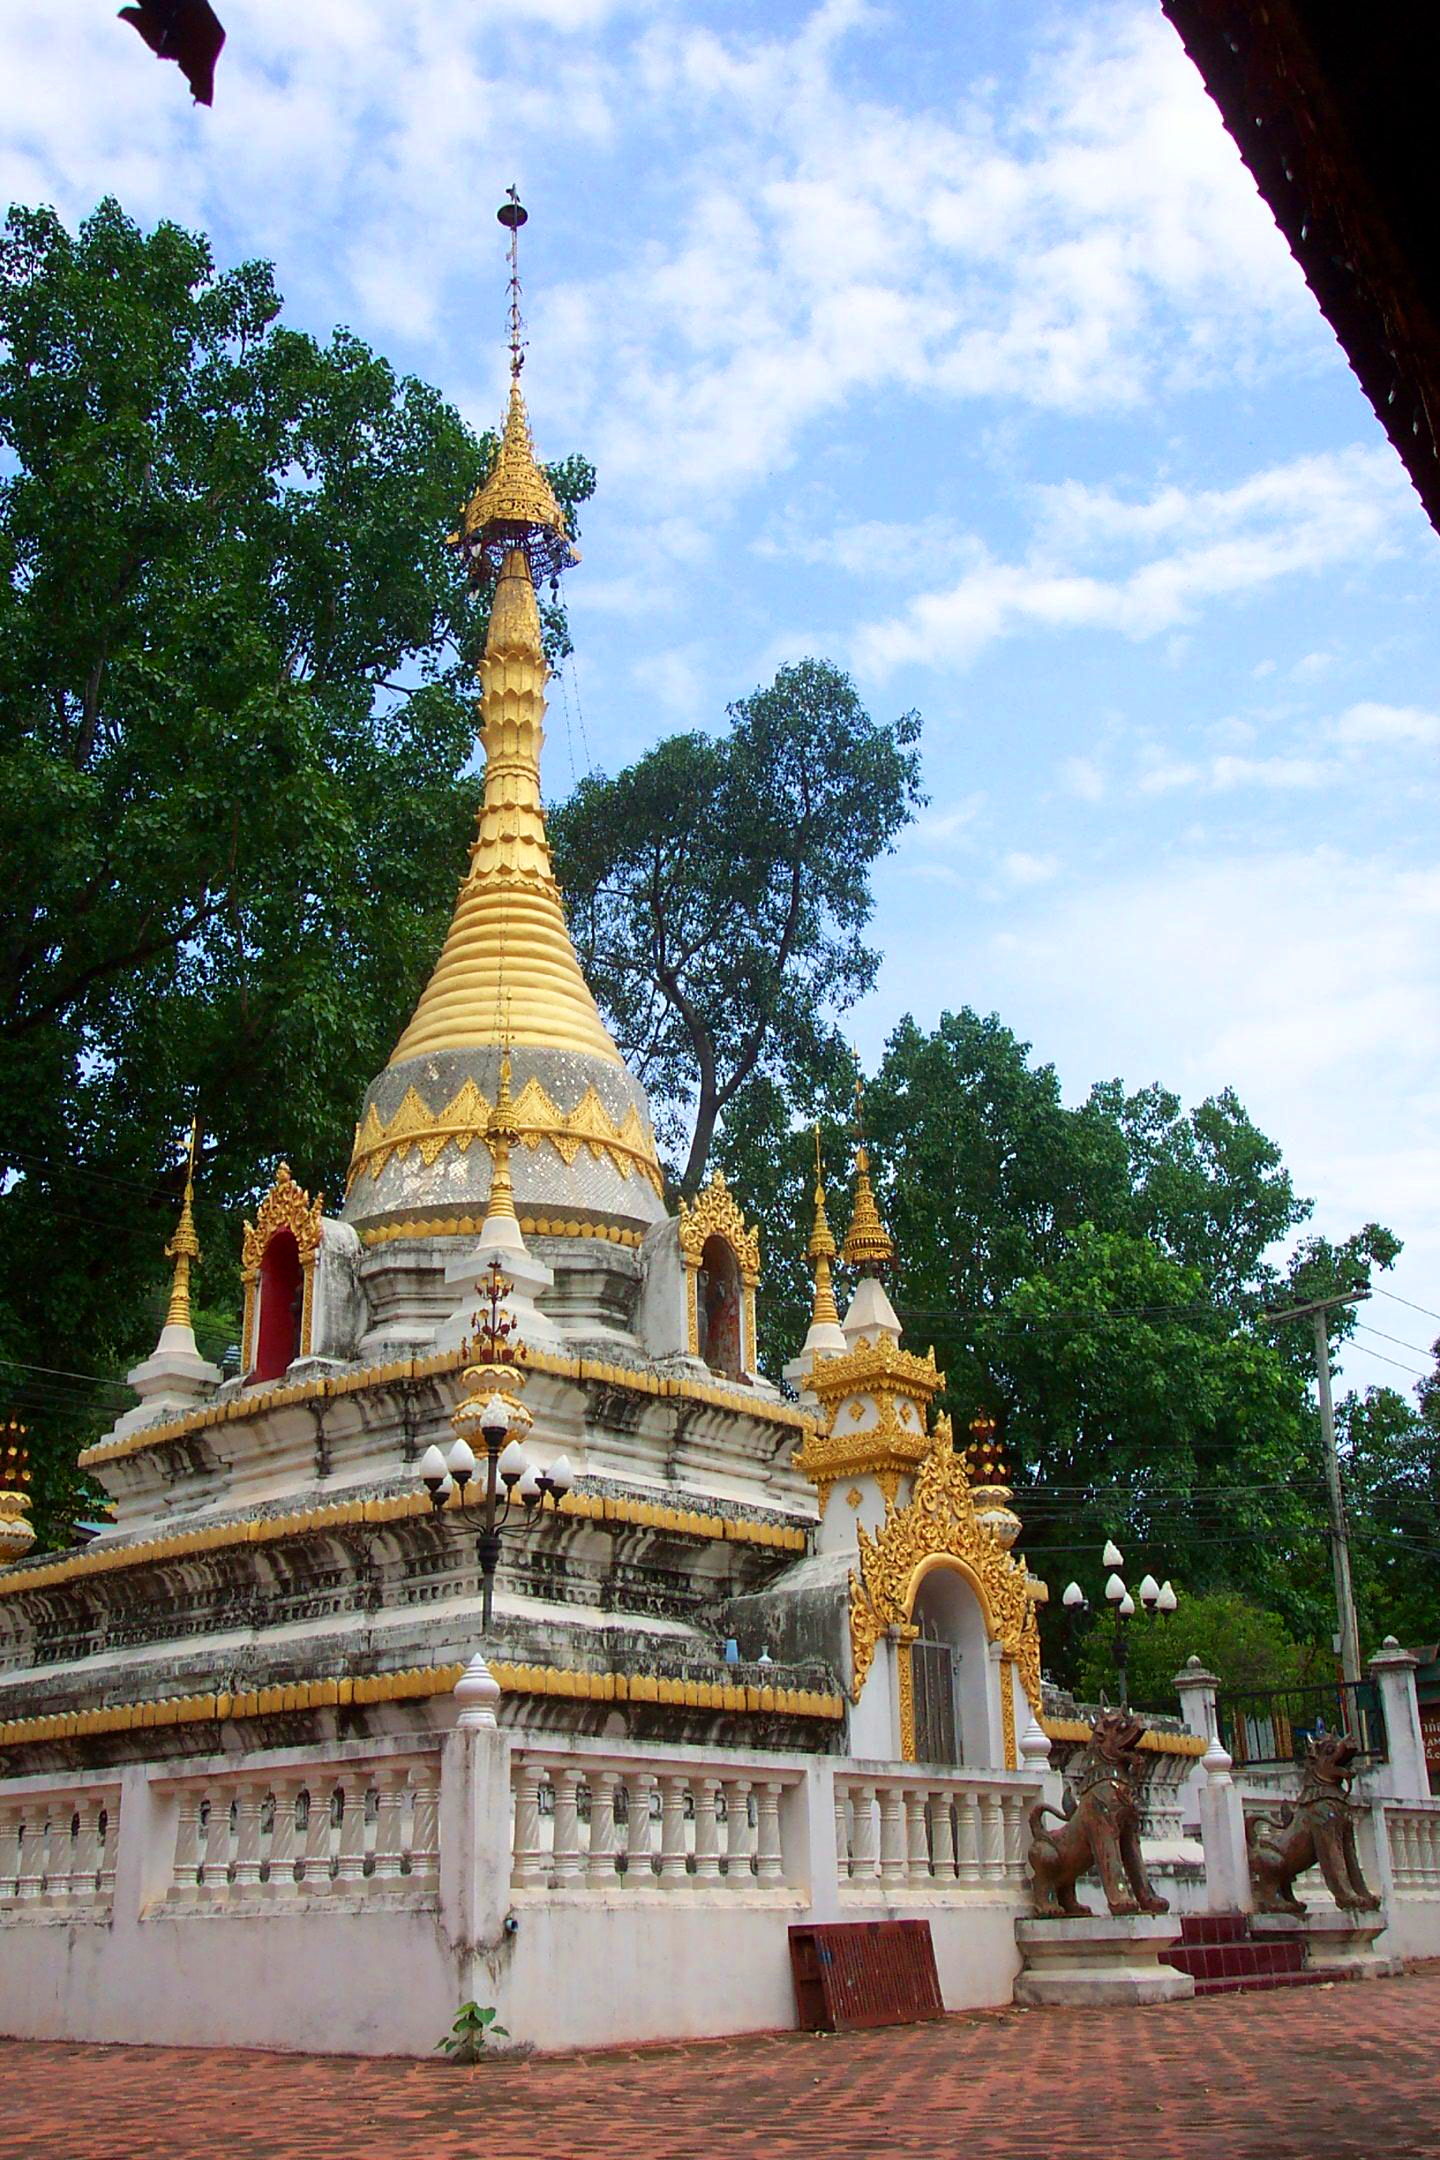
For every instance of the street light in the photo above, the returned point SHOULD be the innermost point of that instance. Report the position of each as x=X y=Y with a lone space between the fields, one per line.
x=1154 y=1597
x=493 y=1413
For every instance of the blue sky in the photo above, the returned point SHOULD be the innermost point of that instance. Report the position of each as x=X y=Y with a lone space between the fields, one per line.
x=954 y=344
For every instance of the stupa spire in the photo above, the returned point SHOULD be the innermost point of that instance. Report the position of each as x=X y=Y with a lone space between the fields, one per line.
x=868 y=1245
x=509 y=902
x=820 y=1252
x=184 y=1250
x=502 y=1133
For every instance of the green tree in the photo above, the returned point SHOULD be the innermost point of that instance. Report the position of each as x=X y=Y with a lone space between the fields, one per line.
x=719 y=889
x=1390 y=1451
x=235 y=716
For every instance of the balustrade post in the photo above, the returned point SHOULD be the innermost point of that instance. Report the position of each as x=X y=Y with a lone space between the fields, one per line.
x=917 y=1840
x=30 y=1873
x=639 y=1830
x=11 y=1818
x=1012 y=1806
x=249 y=1804
x=992 y=1838
x=673 y=1791
x=350 y=1858
x=315 y=1878
x=476 y=1832
x=769 y=1856
x=892 y=1834
x=530 y=1858
x=864 y=1851
x=942 y=1836
x=967 y=1837
x=425 y=1825
x=707 y=1830
x=216 y=1832
x=737 y=1832
x=85 y=1866
x=600 y=1865
x=390 y=1782
x=280 y=1882
x=565 y=1859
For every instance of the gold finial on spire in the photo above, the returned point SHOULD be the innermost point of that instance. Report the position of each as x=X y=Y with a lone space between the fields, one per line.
x=184 y=1247
x=820 y=1252
x=515 y=505
x=868 y=1245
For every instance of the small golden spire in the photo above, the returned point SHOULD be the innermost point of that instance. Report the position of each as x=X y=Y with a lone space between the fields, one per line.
x=502 y=1133
x=868 y=1245
x=184 y=1247
x=820 y=1252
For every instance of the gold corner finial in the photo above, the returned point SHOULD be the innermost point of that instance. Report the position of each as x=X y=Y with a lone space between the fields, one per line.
x=867 y=1245
x=184 y=1246
x=820 y=1252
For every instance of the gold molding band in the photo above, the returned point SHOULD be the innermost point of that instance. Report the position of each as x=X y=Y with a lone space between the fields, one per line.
x=395 y=1507
x=532 y=1226
x=329 y=1386
x=465 y=1119
x=1157 y=1743
x=415 y=1684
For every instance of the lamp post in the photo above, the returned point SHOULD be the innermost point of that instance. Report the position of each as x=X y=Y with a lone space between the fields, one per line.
x=494 y=1414
x=1156 y=1598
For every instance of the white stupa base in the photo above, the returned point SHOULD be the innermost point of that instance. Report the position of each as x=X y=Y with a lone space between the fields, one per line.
x=172 y=1380
x=500 y=1240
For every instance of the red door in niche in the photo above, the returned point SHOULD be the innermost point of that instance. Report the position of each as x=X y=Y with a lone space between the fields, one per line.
x=282 y=1302
x=718 y=1297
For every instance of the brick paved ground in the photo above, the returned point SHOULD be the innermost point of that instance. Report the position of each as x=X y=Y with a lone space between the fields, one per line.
x=1337 y=2073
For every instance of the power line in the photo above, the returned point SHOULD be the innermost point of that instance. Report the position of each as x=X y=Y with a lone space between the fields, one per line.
x=1366 y=1351
x=1420 y=1349
x=1396 y=1299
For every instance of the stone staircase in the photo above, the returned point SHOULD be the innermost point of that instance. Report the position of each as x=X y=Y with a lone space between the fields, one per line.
x=1224 y=1958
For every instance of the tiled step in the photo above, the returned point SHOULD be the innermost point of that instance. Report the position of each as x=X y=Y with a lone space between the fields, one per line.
x=1223 y=1958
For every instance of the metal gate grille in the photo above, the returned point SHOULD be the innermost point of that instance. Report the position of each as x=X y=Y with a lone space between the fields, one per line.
x=934 y=1667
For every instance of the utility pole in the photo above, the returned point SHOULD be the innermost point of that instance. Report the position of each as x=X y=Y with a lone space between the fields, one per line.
x=1339 y=1529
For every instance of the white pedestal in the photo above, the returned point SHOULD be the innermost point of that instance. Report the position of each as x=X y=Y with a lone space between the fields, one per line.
x=1103 y=1958
x=1339 y=1944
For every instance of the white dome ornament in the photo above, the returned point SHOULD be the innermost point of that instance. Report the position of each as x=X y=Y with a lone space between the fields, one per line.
x=478 y=1693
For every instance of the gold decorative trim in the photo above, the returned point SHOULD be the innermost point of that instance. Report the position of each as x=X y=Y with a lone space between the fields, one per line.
x=1007 y=1713
x=532 y=1225
x=905 y=1688
x=414 y=1127
x=938 y=1526
x=1158 y=1743
x=714 y=1213
x=888 y=1449
x=415 y=1684
x=395 y=1507
x=285 y=1207
x=872 y=1366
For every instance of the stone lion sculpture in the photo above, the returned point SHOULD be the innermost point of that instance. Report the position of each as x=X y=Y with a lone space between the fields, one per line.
x=1100 y=1828
x=1317 y=1828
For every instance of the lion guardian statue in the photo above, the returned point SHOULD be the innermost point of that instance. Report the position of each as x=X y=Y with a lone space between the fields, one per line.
x=1316 y=1829
x=1100 y=1828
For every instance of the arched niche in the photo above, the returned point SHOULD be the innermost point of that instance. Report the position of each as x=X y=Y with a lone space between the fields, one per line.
x=719 y=1294
x=945 y=1702
x=280 y=1251
x=722 y=1268
x=280 y=1307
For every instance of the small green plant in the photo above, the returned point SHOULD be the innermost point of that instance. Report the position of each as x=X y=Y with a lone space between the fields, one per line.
x=465 y=2041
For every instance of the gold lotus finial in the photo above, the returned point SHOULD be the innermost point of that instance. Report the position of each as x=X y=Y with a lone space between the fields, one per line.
x=501 y=1131
x=515 y=505
x=820 y=1252
x=867 y=1245
x=184 y=1246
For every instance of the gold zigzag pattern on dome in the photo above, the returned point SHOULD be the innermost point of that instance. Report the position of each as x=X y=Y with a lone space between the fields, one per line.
x=533 y=1116
x=508 y=944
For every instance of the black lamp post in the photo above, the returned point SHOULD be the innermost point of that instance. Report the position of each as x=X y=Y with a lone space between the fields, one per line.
x=1157 y=1598
x=494 y=1417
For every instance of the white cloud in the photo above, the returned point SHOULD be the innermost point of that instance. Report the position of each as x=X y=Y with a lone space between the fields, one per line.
x=1221 y=773
x=938 y=825
x=1145 y=565
x=1083 y=777
x=1366 y=724
x=1020 y=868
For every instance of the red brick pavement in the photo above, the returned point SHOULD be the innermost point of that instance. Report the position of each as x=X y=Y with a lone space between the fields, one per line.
x=1333 y=2073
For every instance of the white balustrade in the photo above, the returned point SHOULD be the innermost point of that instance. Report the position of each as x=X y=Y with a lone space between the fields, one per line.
x=904 y=1833
x=341 y=1829
x=57 y=1853
x=1414 y=1833
x=586 y=1822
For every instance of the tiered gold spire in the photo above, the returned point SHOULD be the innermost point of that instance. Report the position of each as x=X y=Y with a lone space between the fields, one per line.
x=184 y=1247
x=502 y=1133
x=509 y=905
x=820 y=1252
x=868 y=1245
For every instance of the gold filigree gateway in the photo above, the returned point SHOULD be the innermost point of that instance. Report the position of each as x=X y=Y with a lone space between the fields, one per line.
x=939 y=1521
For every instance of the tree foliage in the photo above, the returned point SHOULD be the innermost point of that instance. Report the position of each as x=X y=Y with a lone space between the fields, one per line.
x=1243 y=1644
x=235 y=712
x=719 y=889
